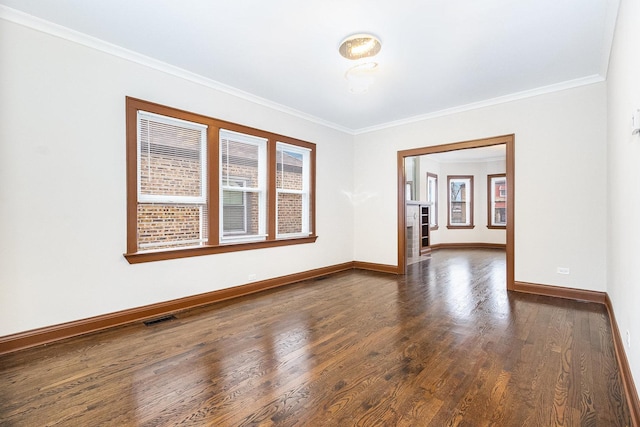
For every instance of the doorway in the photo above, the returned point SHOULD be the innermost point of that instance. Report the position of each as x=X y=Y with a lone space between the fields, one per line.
x=508 y=141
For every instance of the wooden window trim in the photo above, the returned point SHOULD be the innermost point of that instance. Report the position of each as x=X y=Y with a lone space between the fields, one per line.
x=471 y=204
x=213 y=192
x=489 y=207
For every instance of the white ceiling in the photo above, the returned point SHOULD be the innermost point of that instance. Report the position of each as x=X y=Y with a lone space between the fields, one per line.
x=437 y=55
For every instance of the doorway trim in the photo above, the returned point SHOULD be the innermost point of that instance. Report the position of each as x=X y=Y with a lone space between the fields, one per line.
x=509 y=142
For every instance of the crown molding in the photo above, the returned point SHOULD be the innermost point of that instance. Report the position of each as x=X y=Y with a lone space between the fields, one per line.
x=50 y=28
x=569 y=84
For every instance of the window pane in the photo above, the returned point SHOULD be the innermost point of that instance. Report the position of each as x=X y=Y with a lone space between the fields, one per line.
x=239 y=161
x=460 y=201
x=170 y=156
x=498 y=200
x=290 y=212
x=289 y=169
x=234 y=215
x=171 y=225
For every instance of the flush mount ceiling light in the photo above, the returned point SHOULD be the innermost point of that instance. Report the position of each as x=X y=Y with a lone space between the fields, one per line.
x=360 y=46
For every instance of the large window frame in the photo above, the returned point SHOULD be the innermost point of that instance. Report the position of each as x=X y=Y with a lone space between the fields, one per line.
x=493 y=200
x=456 y=200
x=213 y=188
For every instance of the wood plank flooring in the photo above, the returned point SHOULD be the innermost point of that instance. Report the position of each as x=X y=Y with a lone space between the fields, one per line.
x=445 y=345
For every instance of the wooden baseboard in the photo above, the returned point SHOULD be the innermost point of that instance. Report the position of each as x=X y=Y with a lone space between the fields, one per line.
x=560 y=292
x=383 y=268
x=630 y=390
x=53 y=333
x=472 y=245
x=601 y=298
x=49 y=334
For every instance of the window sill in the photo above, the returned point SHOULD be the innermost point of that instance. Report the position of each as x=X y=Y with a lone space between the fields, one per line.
x=460 y=227
x=140 y=257
x=497 y=227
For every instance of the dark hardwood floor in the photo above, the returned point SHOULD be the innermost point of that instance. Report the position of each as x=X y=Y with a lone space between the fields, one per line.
x=445 y=345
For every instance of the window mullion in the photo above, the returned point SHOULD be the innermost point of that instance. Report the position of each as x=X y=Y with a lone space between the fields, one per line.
x=213 y=215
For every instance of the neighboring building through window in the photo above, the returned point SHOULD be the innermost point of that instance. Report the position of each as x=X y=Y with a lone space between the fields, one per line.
x=497 y=200
x=197 y=185
x=432 y=197
x=460 y=201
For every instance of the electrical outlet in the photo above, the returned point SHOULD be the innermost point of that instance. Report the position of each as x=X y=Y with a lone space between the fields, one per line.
x=563 y=270
x=628 y=339
x=252 y=277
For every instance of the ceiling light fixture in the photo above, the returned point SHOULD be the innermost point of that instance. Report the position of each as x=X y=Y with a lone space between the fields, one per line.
x=360 y=46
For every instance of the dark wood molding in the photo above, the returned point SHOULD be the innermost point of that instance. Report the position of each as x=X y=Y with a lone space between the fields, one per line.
x=472 y=245
x=626 y=377
x=402 y=214
x=630 y=389
x=136 y=258
x=383 y=268
x=560 y=292
x=509 y=142
x=49 y=334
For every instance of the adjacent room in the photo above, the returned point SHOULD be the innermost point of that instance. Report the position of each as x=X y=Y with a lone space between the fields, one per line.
x=319 y=213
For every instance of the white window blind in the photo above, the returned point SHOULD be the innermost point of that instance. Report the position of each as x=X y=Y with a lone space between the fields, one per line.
x=172 y=159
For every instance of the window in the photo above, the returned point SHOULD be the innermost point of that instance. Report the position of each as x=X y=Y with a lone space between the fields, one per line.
x=243 y=176
x=432 y=197
x=170 y=213
x=497 y=200
x=197 y=185
x=292 y=186
x=460 y=201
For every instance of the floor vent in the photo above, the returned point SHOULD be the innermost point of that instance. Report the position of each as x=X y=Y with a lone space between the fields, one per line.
x=159 y=320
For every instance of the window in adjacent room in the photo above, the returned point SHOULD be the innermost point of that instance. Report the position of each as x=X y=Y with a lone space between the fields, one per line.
x=460 y=201
x=497 y=200
x=432 y=197
x=198 y=185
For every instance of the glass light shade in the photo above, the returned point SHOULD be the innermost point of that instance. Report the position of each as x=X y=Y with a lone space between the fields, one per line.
x=360 y=46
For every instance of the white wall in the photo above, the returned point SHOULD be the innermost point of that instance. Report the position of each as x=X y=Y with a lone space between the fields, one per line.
x=623 y=192
x=62 y=185
x=560 y=161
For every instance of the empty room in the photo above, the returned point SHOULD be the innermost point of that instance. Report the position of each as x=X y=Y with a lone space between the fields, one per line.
x=319 y=213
